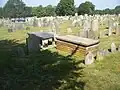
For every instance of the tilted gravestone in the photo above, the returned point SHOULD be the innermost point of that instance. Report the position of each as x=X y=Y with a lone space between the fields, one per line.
x=113 y=47
x=110 y=31
x=89 y=59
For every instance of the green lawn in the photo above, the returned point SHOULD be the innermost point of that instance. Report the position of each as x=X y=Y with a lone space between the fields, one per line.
x=50 y=70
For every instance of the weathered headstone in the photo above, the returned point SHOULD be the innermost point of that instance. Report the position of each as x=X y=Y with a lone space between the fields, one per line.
x=95 y=25
x=89 y=59
x=69 y=30
x=110 y=31
x=35 y=22
x=118 y=29
x=113 y=47
x=100 y=55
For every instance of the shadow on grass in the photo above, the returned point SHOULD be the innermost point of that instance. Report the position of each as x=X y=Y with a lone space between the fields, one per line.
x=40 y=71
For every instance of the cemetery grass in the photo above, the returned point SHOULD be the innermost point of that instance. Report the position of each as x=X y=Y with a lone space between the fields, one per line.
x=50 y=70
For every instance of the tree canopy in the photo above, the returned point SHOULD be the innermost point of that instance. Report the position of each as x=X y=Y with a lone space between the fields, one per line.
x=65 y=7
x=43 y=11
x=86 y=8
x=17 y=8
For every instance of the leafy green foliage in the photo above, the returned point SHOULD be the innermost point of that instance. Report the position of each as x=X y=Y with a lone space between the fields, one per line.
x=86 y=8
x=43 y=11
x=1 y=12
x=116 y=10
x=65 y=7
x=16 y=8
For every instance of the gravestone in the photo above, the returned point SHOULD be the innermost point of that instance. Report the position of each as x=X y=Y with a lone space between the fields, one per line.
x=118 y=30
x=86 y=25
x=110 y=31
x=35 y=22
x=113 y=47
x=91 y=34
x=76 y=14
x=89 y=59
x=53 y=27
x=100 y=55
x=12 y=27
x=57 y=28
x=69 y=30
x=95 y=25
x=106 y=52
x=19 y=26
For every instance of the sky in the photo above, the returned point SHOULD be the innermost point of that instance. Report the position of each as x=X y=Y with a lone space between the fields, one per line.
x=100 y=4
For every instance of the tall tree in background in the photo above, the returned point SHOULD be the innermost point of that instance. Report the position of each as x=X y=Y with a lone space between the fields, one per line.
x=117 y=9
x=50 y=10
x=15 y=8
x=1 y=12
x=39 y=11
x=65 y=7
x=43 y=11
x=86 y=8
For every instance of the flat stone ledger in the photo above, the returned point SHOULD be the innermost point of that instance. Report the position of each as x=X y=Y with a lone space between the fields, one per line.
x=77 y=45
x=40 y=40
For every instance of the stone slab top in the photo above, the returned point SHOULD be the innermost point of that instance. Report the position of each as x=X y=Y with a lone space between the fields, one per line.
x=42 y=35
x=78 y=40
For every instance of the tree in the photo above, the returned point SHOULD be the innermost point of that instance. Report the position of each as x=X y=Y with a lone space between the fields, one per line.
x=43 y=11
x=15 y=8
x=65 y=7
x=27 y=12
x=86 y=8
x=39 y=11
x=1 y=12
x=117 y=9
x=50 y=10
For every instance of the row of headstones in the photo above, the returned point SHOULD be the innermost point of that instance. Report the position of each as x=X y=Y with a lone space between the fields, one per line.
x=4 y=22
x=12 y=27
x=42 y=22
x=89 y=59
x=111 y=31
x=103 y=19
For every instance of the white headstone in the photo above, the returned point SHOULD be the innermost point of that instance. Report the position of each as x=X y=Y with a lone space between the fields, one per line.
x=95 y=25
x=118 y=29
x=113 y=47
x=110 y=31
x=89 y=59
x=69 y=30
